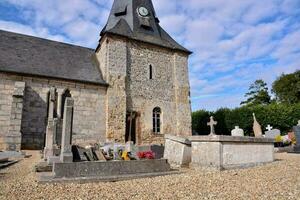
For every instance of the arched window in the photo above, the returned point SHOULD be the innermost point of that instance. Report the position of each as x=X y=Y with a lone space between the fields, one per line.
x=156 y=120
x=150 y=72
x=66 y=94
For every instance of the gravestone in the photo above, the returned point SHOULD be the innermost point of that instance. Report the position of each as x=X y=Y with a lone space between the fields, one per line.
x=50 y=145
x=256 y=127
x=272 y=133
x=129 y=146
x=212 y=124
x=66 y=147
x=100 y=155
x=237 y=131
x=296 y=130
x=89 y=156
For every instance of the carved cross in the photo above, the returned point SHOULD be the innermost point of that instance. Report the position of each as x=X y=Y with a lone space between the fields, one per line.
x=269 y=127
x=212 y=123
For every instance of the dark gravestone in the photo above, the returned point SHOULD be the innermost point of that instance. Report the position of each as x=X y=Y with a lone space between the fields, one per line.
x=158 y=150
x=76 y=154
x=297 y=134
x=90 y=155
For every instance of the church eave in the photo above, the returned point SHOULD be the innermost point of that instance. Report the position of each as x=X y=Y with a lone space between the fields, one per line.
x=53 y=78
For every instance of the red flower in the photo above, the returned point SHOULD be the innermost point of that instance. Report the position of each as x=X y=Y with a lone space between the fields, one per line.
x=146 y=154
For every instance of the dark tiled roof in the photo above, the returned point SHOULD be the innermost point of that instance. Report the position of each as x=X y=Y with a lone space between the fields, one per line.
x=40 y=57
x=124 y=20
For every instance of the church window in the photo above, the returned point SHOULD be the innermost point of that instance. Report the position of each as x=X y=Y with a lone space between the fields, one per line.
x=150 y=72
x=156 y=120
x=66 y=94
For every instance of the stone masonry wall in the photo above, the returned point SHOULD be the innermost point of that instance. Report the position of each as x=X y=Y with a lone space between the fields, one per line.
x=89 y=110
x=182 y=95
x=125 y=65
x=14 y=135
x=113 y=63
x=168 y=89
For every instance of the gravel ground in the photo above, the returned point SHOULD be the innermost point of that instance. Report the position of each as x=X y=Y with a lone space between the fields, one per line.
x=279 y=180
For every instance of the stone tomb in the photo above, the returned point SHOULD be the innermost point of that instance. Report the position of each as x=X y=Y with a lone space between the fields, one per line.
x=177 y=150
x=219 y=151
x=227 y=152
x=67 y=170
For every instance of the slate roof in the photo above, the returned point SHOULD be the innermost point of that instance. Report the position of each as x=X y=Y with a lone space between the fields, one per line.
x=29 y=55
x=124 y=20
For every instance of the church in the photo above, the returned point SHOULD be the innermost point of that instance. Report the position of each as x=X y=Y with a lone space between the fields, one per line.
x=133 y=86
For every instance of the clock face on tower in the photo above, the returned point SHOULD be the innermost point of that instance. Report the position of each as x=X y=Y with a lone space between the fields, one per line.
x=143 y=11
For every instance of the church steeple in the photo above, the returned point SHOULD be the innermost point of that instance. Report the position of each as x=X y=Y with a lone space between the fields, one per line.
x=136 y=19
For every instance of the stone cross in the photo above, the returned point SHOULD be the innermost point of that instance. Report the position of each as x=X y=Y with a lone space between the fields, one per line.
x=269 y=127
x=298 y=123
x=212 y=123
x=66 y=140
x=51 y=102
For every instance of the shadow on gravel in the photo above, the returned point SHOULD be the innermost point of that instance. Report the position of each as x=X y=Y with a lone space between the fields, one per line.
x=278 y=160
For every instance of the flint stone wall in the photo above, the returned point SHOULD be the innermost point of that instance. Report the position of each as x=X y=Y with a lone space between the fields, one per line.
x=125 y=66
x=89 y=110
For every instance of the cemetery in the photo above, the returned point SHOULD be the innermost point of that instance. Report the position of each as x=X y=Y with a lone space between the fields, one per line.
x=128 y=112
x=183 y=158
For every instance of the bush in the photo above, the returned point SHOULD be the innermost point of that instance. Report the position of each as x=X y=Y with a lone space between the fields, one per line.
x=280 y=116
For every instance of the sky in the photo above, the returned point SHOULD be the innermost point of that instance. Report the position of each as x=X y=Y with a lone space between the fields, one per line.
x=234 y=42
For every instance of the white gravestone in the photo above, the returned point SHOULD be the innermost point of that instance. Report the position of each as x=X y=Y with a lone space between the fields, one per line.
x=237 y=132
x=272 y=133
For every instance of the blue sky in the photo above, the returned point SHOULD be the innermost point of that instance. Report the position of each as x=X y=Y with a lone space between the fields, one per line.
x=234 y=42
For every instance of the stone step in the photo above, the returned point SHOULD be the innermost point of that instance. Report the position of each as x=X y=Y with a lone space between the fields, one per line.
x=45 y=178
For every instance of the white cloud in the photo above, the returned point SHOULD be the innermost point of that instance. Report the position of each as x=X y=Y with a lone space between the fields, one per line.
x=28 y=30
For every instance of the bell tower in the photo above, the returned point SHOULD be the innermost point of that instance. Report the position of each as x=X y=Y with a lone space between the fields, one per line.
x=147 y=72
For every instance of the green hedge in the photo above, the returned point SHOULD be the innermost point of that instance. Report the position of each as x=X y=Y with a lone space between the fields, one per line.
x=280 y=116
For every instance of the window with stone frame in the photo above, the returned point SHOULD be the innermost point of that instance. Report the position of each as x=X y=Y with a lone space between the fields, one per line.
x=156 y=120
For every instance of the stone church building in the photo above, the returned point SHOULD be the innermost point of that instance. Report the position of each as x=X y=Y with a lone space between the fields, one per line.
x=133 y=86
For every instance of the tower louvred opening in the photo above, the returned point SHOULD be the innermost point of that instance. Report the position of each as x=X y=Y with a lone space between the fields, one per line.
x=120 y=11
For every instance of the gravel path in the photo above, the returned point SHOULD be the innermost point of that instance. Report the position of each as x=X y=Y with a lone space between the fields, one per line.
x=279 y=180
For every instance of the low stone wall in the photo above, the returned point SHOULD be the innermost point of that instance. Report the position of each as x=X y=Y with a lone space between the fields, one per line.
x=106 y=169
x=226 y=152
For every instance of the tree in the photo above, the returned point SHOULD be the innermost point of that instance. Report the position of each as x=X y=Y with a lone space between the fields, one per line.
x=287 y=88
x=258 y=94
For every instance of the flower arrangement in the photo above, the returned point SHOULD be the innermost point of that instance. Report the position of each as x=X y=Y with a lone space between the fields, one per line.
x=278 y=138
x=146 y=155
